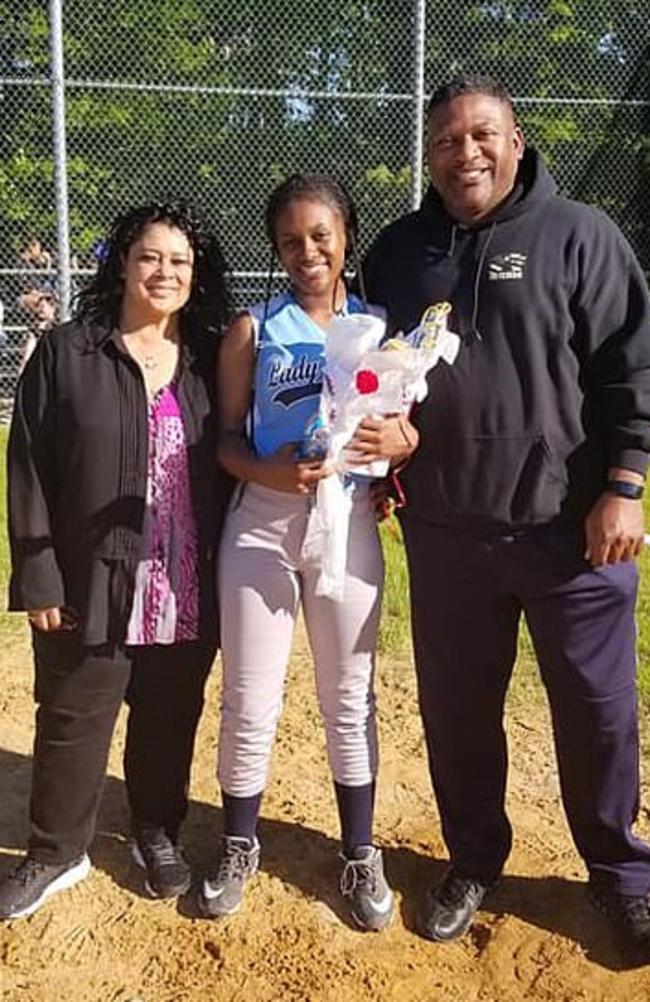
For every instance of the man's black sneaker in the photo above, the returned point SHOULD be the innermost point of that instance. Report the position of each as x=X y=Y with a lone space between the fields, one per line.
x=364 y=885
x=628 y=914
x=451 y=906
x=26 y=888
x=221 y=893
x=167 y=872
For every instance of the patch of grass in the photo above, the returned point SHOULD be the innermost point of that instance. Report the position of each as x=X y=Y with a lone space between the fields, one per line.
x=395 y=627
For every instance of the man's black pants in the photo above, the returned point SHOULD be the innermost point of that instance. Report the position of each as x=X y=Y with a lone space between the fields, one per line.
x=79 y=691
x=467 y=597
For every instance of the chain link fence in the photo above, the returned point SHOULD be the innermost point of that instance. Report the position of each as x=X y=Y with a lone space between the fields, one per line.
x=217 y=102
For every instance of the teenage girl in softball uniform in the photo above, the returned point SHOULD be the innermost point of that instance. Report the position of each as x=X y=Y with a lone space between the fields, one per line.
x=269 y=382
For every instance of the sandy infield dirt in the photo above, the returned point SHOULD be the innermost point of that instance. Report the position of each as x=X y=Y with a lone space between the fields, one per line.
x=536 y=938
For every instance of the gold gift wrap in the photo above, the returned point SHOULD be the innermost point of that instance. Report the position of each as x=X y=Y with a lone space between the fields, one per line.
x=395 y=344
x=433 y=324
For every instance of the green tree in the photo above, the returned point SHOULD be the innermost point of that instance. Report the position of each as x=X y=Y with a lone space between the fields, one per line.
x=278 y=88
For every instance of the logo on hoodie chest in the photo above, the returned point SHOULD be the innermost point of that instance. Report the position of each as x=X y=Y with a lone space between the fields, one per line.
x=505 y=267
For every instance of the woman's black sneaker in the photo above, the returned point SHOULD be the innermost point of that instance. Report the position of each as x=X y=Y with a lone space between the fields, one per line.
x=167 y=872
x=30 y=884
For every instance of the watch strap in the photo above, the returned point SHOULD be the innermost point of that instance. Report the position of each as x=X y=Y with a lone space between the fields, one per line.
x=624 y=489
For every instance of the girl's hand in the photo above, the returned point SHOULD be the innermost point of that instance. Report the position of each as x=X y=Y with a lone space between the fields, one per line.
x=393 y=438
x=283 y=472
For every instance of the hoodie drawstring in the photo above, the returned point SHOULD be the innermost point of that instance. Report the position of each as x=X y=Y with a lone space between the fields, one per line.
x=452 y=240
x=477 y=282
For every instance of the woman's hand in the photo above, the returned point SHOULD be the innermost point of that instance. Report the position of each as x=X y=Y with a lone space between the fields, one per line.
x=393 y=438
x=52 y=619
x=283 y=472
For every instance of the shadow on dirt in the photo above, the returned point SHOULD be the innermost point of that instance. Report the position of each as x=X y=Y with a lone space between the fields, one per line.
x=307 y=860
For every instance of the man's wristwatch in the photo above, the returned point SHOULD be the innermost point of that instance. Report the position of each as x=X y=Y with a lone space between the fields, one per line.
x=624 y=489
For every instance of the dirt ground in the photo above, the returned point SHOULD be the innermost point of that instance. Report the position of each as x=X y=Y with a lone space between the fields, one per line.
x=536 y=938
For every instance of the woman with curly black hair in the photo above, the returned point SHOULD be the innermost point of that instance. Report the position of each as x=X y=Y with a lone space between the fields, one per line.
x=114 y=515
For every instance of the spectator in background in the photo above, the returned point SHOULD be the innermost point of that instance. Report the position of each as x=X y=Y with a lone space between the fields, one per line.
x=34 y=255
x=43 y=309
x=35 y=262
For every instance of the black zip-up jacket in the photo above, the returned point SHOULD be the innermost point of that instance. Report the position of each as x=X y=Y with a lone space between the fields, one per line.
x=551 y=385
x=77 y=469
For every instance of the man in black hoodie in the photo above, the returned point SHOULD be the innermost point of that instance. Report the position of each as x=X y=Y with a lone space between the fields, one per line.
x=524 y=495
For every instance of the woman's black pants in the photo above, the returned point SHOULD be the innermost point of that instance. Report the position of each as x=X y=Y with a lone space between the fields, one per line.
x=79 y=691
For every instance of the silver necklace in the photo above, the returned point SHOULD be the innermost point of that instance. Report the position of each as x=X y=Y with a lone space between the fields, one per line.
x=150 y=361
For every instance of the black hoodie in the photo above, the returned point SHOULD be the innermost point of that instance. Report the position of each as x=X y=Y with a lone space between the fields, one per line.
x=551 y=385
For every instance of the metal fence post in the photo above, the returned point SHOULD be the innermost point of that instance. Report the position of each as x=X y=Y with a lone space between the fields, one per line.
x=419 y=33
x=60 y=165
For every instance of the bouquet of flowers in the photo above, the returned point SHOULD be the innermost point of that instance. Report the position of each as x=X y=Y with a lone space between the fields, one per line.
x=363 y=378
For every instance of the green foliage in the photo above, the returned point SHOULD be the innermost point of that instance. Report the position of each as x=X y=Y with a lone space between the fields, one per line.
x=227 y=149
x=224 y=150
x=583 y=51
x=383 y=191
x=395 y=628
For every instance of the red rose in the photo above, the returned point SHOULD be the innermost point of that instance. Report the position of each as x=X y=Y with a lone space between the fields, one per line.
x=367 y=381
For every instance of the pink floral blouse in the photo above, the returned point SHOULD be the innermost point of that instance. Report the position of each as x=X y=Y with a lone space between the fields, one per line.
x=166 y=598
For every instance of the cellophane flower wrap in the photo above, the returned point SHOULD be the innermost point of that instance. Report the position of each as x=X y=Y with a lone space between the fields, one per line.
x=362 y=379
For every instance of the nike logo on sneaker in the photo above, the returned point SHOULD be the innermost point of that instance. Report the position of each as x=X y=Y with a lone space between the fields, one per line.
x=211 y=892
x=383 y=906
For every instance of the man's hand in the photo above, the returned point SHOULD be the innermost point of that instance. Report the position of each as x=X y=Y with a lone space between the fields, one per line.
x=613 y=530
